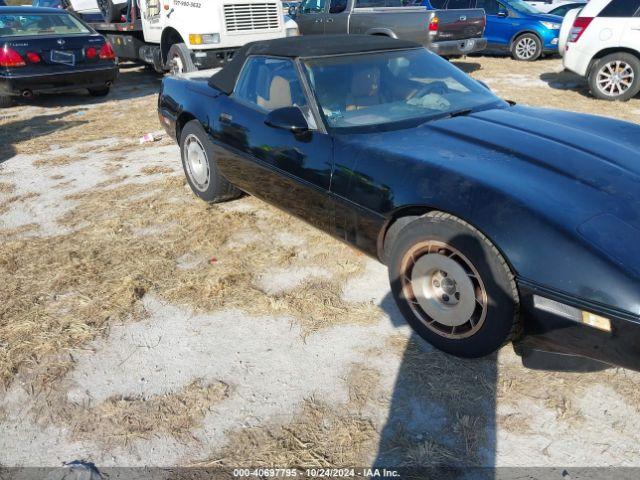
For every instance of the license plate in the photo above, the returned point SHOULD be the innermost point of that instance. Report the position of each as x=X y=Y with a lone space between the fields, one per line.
x=67 y=58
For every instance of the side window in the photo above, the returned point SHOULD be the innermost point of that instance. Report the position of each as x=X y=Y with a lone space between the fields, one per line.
x=620 y=8
x=313 y=6
x=459 y=4
x=337 y=6
x=438 y=4
x=269 y=83
x=491 y=7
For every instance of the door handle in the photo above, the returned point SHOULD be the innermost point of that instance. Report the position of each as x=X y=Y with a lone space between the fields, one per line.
x=225 y=118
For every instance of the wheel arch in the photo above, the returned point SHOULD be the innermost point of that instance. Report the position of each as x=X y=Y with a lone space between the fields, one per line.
x=607 y=51
x=383 y=32
x=404 y=215
x=524 y=32
x=170 y=36
x=181 y=121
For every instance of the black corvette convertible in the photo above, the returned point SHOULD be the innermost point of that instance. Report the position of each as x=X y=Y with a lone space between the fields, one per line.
x=49 y=50
x=497 y=222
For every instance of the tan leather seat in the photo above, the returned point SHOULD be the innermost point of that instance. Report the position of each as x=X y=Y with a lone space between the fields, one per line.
x=279 y=95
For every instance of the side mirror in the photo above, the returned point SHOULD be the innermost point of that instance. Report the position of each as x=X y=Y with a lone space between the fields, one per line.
x=293 y=11
x=287 y=118
x=503 y=13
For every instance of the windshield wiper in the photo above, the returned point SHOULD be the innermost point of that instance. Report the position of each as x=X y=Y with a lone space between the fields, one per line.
x=460 y=113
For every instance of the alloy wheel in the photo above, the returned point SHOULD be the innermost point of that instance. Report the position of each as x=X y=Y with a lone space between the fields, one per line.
x=615 y=78
x=526 y=48
x=444 y=290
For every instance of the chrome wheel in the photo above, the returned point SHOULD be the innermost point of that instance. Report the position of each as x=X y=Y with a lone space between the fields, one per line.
x=444 y=290
x=526 y=48
x=615 y=78
x=197 y=163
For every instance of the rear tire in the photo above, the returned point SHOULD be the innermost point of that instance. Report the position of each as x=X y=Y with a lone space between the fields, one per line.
x=615 y=77
x=179 y=60
x=200 y=168
x=526 y=48
x=99 y=92
x=453 y=286
x=6 y=101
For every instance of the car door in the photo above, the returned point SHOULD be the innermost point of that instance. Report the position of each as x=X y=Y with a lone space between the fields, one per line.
x=292 y=171
x=337 y=19
x=310 y=17
x=500 y=26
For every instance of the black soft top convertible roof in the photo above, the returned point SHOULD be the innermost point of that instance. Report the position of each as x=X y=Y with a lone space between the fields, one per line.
x=303 y=46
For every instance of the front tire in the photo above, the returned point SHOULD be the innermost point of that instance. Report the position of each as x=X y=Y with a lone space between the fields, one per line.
x=453 y=286
x=615 y=77
x=99 y=92
x=526 y=48
x=198 y=162
x=179 y=60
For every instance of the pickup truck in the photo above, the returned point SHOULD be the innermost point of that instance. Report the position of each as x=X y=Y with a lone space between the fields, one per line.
x=445 y=32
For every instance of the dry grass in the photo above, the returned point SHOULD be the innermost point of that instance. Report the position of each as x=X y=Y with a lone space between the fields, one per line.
x=119 y=420
x=156 y=169
x=6 y=187
x=320 y=435
x=61 y=292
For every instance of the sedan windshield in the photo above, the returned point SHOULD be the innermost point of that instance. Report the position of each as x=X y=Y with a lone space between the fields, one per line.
x=385 y=88
x=14 y=25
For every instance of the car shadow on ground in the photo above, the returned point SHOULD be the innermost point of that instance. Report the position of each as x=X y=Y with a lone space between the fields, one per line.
x=467 y=67
x=28 y=128
x=134 y=81
x=442 y=419
x=566 y=81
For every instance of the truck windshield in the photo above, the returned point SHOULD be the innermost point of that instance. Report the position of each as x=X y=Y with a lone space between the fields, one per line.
x=395 y=89
x=12 y=25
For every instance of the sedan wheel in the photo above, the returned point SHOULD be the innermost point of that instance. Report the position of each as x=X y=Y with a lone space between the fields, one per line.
x=444 y=289
x=526 y=48
x=453 y=286
x=200 y=168
x=615 y=77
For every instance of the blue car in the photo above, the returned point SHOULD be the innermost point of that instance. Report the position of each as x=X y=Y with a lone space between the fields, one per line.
x=497 y=222
x=513 y=26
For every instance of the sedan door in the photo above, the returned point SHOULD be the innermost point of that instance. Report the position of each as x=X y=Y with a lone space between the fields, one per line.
x=290 y=170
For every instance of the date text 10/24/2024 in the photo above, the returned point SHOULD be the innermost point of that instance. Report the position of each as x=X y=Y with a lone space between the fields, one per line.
x=315 y=473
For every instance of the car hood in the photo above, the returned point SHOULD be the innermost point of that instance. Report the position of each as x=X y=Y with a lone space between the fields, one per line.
x=571 y=154
x=544 y=17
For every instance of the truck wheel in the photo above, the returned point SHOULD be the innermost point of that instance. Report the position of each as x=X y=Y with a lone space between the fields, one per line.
x=526 y=48
x=198 y=161
x=179 y=59
x=99 y=92
x=109 y=11
x=5 y=101
x=615 y=77
x=453 y=286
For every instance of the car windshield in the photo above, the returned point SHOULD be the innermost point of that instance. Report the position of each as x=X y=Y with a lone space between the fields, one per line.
x=384 y=88
x=19 y=25
x=523 y=7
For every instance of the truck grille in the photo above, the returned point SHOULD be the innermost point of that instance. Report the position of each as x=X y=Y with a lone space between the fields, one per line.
x=242 y=17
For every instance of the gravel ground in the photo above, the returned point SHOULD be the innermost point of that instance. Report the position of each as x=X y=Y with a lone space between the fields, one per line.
x=256 y=340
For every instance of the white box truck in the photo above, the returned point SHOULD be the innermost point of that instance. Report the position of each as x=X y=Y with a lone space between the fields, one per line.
x=187 y=35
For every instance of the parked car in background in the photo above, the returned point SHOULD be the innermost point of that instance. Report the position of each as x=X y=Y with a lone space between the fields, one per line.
x=516 y=27
x=49 y=3
x=603 y=45
x=50 y=50
x=399 y=153
x=447 y=33
x=562 y=10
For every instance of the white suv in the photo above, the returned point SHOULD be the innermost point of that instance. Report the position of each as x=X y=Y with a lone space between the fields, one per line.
x=603 y=45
